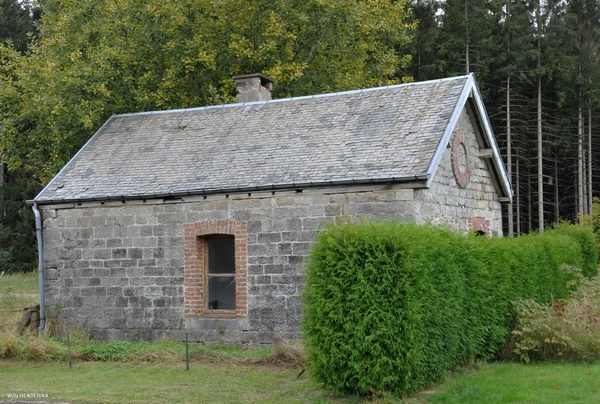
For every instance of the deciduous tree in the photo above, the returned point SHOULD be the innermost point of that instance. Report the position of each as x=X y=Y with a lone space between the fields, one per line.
x=101 y=57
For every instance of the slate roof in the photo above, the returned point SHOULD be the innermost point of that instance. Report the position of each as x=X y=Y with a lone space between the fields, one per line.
x=375 y=135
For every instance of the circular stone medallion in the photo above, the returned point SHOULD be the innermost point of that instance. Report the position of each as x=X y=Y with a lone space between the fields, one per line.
x=460 y=158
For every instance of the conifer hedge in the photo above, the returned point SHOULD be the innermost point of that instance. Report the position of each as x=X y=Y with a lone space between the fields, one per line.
x=392 y=307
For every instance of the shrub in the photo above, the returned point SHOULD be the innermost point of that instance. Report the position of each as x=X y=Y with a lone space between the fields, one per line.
x=391 y=307
x=592 y=221
x=563 y=329
x=583 y=248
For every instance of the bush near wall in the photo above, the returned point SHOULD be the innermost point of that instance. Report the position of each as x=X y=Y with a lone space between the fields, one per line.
x=392 y=307
x=593 y=220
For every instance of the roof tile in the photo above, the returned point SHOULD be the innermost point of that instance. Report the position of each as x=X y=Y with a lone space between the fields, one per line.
x=358 y=135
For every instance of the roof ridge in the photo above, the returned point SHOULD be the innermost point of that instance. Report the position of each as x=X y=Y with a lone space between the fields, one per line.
x=302 y=97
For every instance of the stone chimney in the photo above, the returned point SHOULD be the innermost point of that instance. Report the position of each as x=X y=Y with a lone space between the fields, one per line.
x=253 y=87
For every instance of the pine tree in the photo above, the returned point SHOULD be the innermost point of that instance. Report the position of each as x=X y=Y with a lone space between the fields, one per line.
x=538 y=67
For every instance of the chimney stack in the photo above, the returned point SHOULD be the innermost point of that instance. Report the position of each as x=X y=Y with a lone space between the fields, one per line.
x=253 y=87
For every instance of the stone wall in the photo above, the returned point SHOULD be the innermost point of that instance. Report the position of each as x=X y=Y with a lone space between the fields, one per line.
x=448 y=204
x=119 y=269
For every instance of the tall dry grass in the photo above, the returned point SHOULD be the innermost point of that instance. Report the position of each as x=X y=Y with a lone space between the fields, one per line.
x=565 y=329
x=290 y=352
x=12 y=308
x=29 y=345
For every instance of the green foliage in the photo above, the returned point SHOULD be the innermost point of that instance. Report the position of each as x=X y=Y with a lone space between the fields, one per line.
x=564 y=329
x=17 y=231
x=536 y=332
x=18 y=249
x=392 y=307
x=592 y=221
x=17 y=22
x=584 y=251
x=109 y=351
x=97 y=58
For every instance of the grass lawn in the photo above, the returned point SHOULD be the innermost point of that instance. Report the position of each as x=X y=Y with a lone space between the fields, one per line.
x=126 y=382
x=158 y=382
x=522 y=383
x=19 y=283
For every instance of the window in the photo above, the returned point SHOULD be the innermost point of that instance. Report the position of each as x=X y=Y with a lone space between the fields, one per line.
x=216 y=269
x=220 y=273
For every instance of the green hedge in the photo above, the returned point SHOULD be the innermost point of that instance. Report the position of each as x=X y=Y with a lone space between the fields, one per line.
x=392 y=307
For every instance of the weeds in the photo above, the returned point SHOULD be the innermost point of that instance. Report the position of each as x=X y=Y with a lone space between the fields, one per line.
x=564 y=329
x=288 y=351
x=31 y=347
x=110 y=351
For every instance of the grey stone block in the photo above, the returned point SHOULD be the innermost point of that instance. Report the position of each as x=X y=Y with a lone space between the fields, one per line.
x=301 y=249
x=262 y=279
x=94 y=281
x=269 y=237
x=285 y=248
x=114 y=291
x=273 y=269
x=285 y=279
x=102 y=254
x=153 y=271
x=114 y=242
x=158 y=253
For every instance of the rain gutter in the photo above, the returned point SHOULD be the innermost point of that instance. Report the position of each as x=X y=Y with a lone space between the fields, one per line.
x=203 y=191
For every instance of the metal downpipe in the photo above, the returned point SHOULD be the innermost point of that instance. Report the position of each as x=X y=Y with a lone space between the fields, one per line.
x=38 y=230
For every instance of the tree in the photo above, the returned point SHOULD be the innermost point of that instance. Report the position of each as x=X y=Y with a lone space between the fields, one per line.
x=425 y=46
x=17 y=231
x=514 y=61
x=537 y=63
x=97 y=58
x=17 y=22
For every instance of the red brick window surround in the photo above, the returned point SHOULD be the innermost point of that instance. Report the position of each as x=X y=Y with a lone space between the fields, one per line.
x=195 y=267
x=480 y=224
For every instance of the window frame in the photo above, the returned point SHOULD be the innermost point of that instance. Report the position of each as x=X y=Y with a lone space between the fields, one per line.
x=195 y=287
x=207 y=274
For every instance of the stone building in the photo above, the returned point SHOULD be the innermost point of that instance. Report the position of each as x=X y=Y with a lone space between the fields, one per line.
x=199 y=220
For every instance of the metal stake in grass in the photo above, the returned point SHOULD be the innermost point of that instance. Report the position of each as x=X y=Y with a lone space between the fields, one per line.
x=68 y=343
x=187 y=353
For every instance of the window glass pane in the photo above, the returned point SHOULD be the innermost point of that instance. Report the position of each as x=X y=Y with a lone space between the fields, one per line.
x=221 y=293
x=221 y=255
